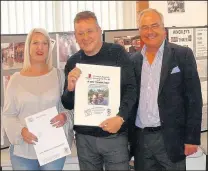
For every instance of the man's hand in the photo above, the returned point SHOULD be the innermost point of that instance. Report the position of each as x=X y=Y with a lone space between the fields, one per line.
x=112 y=125
x=59 y=120
x=72 y=78
x=28 y=137
x=190 y=149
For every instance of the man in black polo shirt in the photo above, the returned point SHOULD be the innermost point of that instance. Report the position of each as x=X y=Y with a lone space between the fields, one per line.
x=106 y=145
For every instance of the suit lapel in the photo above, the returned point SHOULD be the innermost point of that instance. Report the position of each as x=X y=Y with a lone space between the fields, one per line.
x=165 y=65
x=138 y=69
x=139 y=61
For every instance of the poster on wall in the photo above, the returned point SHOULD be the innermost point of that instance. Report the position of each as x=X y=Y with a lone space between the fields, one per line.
x=7 y=55
x=130 y=43
x=201 y=42
x=66 y=46
x=12 y=55
x=181 y=36
x=128 y=38
x=176 y=6
x=19 y=54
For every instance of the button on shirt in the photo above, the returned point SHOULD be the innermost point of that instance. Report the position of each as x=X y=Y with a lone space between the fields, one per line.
x=148 y=113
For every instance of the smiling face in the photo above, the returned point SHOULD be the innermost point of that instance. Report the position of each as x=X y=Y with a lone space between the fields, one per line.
x=94 y=99
x=38 y=48
x=100 y=97
x=151 y=29
x=88 y=36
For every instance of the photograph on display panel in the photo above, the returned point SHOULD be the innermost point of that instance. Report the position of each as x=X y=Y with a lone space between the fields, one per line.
x=19 y=54
x=201 y=42
x=182 y=36
x=128 y=38
x=130 y=43
x=7 y=55
x=176 y=6
x=66 y=46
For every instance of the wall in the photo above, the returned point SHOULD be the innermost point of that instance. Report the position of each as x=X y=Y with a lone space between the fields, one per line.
x=195 y=13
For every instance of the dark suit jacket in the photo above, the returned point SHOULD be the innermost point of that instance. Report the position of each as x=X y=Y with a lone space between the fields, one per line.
x=179 y=99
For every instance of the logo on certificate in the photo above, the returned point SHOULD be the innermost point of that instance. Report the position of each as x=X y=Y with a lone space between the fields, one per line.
x=30 y=119
x=66 y=150
x=108 y=112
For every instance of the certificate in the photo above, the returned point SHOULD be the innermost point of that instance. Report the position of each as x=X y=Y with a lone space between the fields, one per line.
x=52 y=143
x=97 y=94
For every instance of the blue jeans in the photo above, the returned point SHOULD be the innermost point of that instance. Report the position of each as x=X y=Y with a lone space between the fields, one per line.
x=20 y=163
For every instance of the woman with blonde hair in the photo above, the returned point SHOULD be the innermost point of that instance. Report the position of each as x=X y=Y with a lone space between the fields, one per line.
x=37 y=87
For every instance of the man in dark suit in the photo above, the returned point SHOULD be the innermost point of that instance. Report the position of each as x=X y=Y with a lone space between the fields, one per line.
x=167 y=118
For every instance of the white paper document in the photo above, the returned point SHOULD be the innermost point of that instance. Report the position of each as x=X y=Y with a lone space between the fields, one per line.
x=97 y=94
x=52 y=143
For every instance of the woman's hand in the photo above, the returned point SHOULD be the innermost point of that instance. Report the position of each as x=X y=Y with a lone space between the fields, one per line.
x=59 y=120
x=28 y=137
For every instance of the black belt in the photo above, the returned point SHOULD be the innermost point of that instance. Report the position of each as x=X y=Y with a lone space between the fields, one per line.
x=150 y=129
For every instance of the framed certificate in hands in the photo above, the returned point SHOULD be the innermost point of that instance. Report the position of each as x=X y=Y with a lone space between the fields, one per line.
x=97 y=94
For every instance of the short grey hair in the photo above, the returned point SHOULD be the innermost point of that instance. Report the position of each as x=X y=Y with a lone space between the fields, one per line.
x=85 y=15
x=150 y=10
x=27 y=64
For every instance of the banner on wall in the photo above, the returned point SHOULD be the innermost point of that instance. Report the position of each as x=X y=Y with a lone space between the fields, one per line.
x=201 y=42
x=181 y=36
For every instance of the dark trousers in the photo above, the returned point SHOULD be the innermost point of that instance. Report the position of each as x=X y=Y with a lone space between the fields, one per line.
x=96 y=153
x=150 y=153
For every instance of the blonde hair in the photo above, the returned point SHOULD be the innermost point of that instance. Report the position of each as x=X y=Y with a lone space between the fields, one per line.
x=27 y=64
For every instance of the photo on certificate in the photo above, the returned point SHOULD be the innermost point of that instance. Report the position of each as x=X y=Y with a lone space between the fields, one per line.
x=98 y=94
